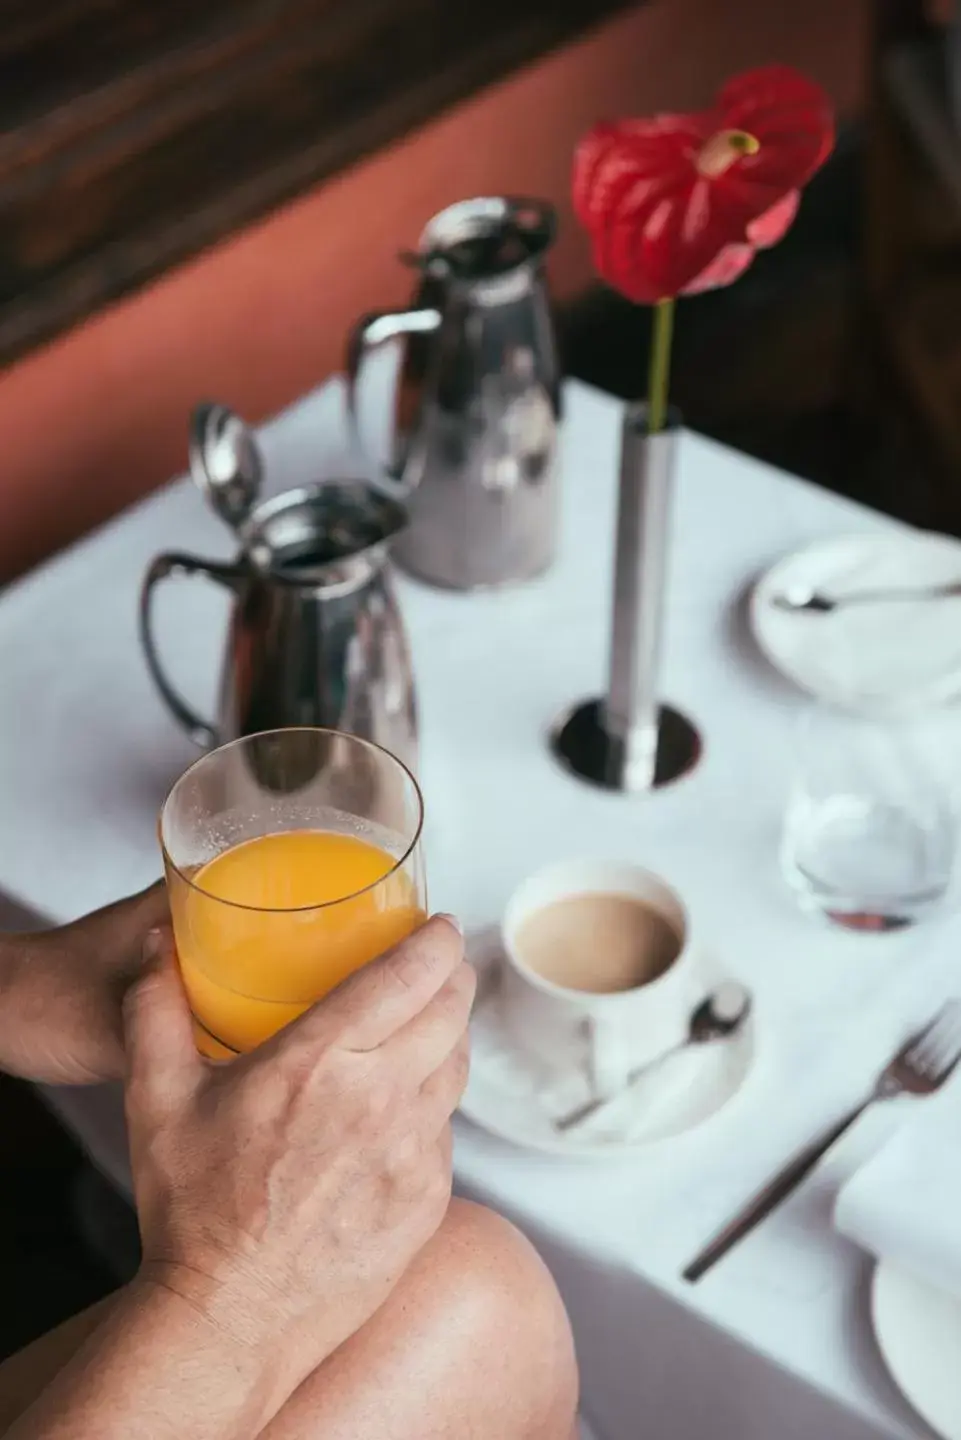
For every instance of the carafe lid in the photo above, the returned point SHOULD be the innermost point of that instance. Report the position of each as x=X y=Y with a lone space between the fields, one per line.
x=486 y=238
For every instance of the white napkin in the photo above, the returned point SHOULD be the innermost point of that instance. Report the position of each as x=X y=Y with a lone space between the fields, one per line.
x=904 y=1204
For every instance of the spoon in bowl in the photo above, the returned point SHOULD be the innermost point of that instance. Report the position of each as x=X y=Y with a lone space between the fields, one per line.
x=719 y=1015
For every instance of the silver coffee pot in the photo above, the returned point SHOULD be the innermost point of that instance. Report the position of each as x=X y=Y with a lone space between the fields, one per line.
x=478 y=398
x=315 y=636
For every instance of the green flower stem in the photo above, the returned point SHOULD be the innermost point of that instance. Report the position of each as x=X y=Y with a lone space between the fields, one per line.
x=659 y=366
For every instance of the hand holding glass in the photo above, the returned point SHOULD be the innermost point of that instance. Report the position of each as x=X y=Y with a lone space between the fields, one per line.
x=292 y=859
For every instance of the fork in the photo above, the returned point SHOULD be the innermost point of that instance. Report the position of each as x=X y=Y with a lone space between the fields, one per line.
x=920 y=1067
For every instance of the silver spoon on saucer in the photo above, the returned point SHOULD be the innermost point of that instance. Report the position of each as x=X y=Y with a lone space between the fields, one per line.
x=225 y=462
x=719 y=1015
x=801 y=599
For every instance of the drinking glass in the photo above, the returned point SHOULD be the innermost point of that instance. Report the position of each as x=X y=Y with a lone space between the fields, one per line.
x=292 y=858
x=870 y=833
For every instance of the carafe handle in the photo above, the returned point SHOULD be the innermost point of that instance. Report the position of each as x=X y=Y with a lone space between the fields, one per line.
x=201 y=731
x=369 y=334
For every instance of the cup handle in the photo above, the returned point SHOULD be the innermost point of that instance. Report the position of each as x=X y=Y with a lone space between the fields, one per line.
x=610 y=1058
x=162 y=567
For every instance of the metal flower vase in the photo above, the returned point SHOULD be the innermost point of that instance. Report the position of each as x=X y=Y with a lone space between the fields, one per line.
x=627 y=740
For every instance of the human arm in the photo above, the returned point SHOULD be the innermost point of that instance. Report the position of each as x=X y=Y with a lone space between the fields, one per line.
x=155 y=1366
x=280 y=1197
x=61 y=992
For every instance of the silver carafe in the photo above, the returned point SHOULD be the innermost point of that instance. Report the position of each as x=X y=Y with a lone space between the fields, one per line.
x=478 y=398
x=315 y=636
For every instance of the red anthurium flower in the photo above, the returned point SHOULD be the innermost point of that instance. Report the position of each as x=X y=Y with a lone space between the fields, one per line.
x=680 y=203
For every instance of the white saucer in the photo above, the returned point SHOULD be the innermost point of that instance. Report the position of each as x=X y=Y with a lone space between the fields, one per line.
x=918 y=1330
x=503 y=1095
x=873 y=658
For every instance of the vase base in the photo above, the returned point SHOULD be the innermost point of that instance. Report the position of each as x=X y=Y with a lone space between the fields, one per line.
x=582 y=743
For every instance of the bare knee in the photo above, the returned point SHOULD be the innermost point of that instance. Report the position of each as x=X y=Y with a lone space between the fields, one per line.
x=473 y=1341
x=501 y=1295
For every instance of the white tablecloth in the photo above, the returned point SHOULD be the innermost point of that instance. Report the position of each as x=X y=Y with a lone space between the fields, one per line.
x=774 y=1344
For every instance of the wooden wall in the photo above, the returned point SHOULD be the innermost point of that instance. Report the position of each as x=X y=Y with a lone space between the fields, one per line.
x=97 y=418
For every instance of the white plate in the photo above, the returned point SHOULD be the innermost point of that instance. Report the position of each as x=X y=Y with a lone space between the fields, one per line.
x=876 y=658
x=918 y=1329
x=503 y=1095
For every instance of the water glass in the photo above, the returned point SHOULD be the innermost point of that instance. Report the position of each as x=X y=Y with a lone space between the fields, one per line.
x=870 y=834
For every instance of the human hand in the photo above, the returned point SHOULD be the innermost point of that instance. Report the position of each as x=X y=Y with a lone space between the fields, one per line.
x=284 y=1194
x=62 y=989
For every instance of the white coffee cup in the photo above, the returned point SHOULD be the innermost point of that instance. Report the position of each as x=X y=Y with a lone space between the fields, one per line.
x=604 y=1035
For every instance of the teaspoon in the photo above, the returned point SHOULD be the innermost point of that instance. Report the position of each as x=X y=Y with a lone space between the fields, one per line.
x=719 y=1015
x=801 y=600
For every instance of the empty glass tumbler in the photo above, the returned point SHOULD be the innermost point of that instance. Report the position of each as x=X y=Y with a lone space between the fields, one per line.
x=870 y=834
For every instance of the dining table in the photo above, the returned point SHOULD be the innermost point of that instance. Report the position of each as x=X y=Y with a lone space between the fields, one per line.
x=776 y=1342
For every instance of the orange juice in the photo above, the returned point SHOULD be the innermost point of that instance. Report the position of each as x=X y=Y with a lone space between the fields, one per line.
x=263 y=929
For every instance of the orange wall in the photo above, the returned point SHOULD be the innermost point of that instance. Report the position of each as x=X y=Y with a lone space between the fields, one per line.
x=98 y=418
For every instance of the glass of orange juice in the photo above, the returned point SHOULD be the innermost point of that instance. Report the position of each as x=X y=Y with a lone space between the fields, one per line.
x=292 y=858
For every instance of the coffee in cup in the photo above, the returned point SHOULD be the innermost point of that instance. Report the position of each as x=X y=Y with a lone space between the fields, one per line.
x=600 y=973
x=599 y=942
